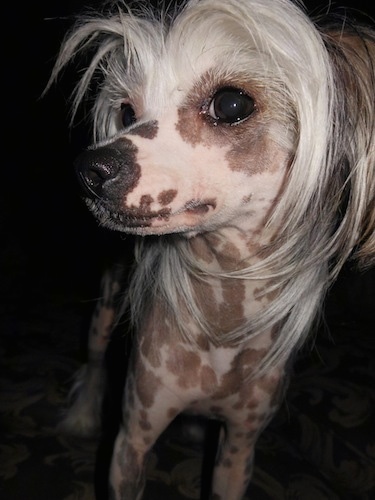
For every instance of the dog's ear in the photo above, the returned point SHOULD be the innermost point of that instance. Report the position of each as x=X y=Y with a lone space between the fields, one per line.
x=353 y=56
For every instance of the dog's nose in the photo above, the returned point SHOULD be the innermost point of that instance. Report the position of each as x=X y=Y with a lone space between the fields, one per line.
x=97 y=166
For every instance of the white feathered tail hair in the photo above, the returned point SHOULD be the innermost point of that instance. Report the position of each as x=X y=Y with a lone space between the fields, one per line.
x=326 y=213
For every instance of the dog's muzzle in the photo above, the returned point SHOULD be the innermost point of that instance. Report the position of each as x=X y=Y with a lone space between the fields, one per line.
x=105 y=171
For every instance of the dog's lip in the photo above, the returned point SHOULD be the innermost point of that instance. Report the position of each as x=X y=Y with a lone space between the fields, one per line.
x=129 y=218
x=133 y=218
x=197 y=207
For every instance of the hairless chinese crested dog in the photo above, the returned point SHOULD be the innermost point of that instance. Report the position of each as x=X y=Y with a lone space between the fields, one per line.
x=236 y=140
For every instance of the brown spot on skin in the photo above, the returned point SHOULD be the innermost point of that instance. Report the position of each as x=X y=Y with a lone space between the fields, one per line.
x=131 y=474
x=172 y=413
x=229 y=253
x=212 y=240
x=253 y=404
x=144 y=423
x=232 y=307
x=145 y=203
x=195 y=124
x=191 y=134
x=208 y=379
x=142 y=215
x=147 y=130
x=147 y=385
x=249 y=147
x=251 y=418
x=261 y=294
x=202 y=342
x=229 y=313
x=258 y=294
x=143 y=414
x=242 y=367
x=249 y=358
x=154 y=335
x=185 y=365
x=229 y=381
x=211 y=246
x=166 y=197
x=265 y=155
x=201 y=250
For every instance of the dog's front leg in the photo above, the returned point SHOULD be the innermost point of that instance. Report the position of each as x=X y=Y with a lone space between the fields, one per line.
x=84 y=416
x=148 y=408
x=127 y=475
x=245 y=420
x=234 y=464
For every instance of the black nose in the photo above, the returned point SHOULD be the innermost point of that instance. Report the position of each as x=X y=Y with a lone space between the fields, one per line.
x=95 y=167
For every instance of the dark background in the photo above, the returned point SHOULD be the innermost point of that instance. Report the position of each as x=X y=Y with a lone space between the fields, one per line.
x=44 y=226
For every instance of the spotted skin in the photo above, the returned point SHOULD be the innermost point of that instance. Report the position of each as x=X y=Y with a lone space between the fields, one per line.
x=186 y=379
x=180 y=172
x=168 y=376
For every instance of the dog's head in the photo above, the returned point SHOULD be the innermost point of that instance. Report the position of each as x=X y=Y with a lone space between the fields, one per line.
x=236 y=113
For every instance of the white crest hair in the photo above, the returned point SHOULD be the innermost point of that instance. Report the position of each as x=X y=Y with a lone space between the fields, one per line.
x=326 y=77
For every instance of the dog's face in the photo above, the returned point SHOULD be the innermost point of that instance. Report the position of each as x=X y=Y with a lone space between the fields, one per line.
x=207 y=161
x=198 y=142
x=229 y=114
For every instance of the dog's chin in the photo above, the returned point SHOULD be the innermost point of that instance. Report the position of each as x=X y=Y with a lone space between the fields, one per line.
x=187 y=221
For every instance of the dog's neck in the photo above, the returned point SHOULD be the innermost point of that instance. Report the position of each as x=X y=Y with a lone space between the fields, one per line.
x=226 y=301
x=228 y=250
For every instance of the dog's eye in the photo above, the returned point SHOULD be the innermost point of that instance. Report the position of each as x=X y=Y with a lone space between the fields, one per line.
x=231 y=105
x=127 y=115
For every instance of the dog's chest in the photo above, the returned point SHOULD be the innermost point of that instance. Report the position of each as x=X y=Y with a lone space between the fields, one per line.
x=209 y=379
x=202 y=364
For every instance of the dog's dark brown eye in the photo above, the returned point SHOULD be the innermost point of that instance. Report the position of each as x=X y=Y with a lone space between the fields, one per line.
x=127 y=115
x=231 y=105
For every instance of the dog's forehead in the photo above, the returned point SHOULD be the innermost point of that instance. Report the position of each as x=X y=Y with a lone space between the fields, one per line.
x=189 y=53
x=189 y=74
x=172 y=81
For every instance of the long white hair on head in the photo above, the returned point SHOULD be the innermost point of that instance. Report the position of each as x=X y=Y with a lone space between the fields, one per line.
x=120 y=44
x=324 y=80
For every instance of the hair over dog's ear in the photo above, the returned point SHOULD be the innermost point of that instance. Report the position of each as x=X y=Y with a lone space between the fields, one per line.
x=353 y=55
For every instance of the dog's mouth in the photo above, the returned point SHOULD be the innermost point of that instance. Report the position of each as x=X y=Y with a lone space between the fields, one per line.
x=146 y=221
